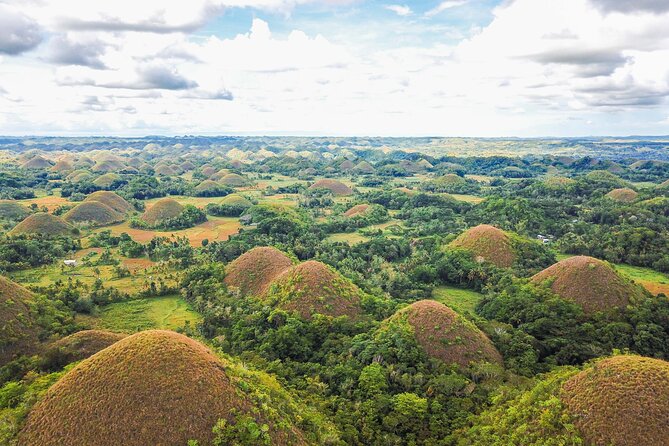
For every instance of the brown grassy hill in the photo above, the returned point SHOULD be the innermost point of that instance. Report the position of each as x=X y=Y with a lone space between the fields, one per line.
x=236 y=200
x=623 y=400
x=487 y=243
x=161 y=210
x=110 y=165
x=78 y=176
x=358 y=209
x=425 y=164
x=336 y=187
x=165 y=170
x=187 y=165
x=42 y=223
x=152 y=388
x=106 y=180
x=558 y=182
x=111 y=199
x=18 y=334
x=208 y=171
x=445 y=335
x=253 y=271
x=82 y=344
x=624 y=195
x=450 y=179
x=207 y=185
x=11 y=210
x=38 y=162
x=93 y=213
x=62 y=166
x=364 y=167
x=234 y=180
x=591 y=283
x=346 y=166
x=313 y=287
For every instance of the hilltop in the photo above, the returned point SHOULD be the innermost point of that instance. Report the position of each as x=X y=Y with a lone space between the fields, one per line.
x=82 y=345
x=42 y=224
x=111 y=199
x=443 y=334
x=152 y=388
x=336 y=187
x=591 y=283
x=253 y=271
x=162 y=210
x=487 y=243
x=93 y=213
x=313 y=287
x=622 y=400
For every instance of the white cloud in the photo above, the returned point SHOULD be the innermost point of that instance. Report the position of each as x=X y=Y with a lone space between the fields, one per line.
x=401 y=10
x=444 y=5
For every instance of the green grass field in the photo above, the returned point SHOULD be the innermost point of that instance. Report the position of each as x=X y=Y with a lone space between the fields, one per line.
x=168 y=312
x=460 y=300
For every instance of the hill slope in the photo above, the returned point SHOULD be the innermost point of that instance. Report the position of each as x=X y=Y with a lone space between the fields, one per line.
x=18 y=334
x=487 y=243
x=253 y=271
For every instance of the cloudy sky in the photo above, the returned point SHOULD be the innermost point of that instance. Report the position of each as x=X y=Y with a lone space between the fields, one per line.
x=334 y=67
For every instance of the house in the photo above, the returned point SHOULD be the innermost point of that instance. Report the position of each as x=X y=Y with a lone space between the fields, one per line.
x=70 y=262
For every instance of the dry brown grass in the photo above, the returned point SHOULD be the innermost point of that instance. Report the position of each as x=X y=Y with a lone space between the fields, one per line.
x=111 y=199
x=62 y=166
x=591 y=283
x=622 y=401
x=253 y=271
x=18 y=334
x=162 y=210
x=336 y=187
x=43 y=224
x=358 y=209
x=315 y=288
x=38 y=162
x=234 y=180
x=83 y=344
x=447 y=336
x=487 y=243
x=93 y=213
x=152 y=388
x=624 y=195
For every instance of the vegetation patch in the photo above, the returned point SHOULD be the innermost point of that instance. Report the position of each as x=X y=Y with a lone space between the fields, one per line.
x=591 y=283
x=622 y=400
x=12 y=211
x=461 y=300
x=253 y=272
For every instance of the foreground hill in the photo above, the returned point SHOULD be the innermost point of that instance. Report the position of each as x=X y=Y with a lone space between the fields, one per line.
x=163 y=209
x=94 y=213
x=18 y=333
x=591 y=283
x=151 y=388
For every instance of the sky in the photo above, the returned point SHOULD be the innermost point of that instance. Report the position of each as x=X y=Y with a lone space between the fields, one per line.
x=527 y=68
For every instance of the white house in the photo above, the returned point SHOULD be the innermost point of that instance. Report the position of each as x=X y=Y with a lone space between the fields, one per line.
x=70 y=262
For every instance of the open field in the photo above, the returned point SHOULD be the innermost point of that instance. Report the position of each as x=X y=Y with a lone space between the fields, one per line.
x=468 y=198
x=50 y=201
x=142 y=272
x=460 y=300
x=216 y=228
x=167 y=312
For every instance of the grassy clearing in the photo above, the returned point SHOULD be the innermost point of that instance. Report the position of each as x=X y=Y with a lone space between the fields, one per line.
x=352 y=238
x=216 y=228
x=142 y=272
x=467 y=198
x=50 y=201
x=462 y=301
x=168 y=312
